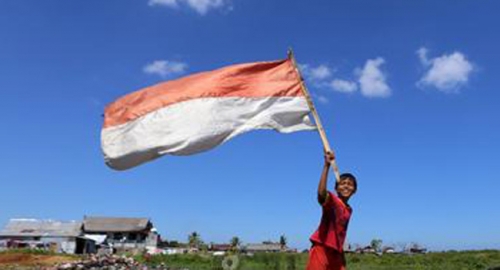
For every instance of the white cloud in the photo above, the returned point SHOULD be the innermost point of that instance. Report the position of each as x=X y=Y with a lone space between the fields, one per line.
x=200 y=6
x=321 y=72
x=447 y=73
x=322 y=99
x=165 y=68
x=372 y=80
x=422 y=55
x=318 y=73
x=343 y=86
x=168 y=3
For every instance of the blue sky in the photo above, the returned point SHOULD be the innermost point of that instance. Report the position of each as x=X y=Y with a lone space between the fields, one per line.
x=407 y=91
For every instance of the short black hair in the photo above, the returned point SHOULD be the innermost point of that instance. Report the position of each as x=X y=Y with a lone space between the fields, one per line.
x=350 y=177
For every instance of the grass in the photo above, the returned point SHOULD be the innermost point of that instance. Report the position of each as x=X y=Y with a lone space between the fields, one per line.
x=464 y=260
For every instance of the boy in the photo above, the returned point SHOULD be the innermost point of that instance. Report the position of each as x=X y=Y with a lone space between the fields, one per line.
x=327 y=252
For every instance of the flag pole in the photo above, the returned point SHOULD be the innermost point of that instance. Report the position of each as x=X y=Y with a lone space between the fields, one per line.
x=317 y=120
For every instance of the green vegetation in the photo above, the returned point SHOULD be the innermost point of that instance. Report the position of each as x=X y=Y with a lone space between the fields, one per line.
x=235 y=243
x=283 y=241
x=466 y=260
x=452 y=260
x=376 y=244
x=189 y=261
x=194 y=240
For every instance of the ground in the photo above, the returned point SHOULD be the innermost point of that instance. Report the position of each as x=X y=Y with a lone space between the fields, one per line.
x=451 y=260
x=26 y=259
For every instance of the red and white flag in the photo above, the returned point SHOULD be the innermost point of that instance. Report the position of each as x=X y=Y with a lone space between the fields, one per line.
x=199 y=112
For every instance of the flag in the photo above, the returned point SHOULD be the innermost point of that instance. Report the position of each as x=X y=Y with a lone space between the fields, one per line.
x=201 y=111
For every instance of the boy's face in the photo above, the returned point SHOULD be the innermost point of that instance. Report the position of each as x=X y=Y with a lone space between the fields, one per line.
x=345 y=188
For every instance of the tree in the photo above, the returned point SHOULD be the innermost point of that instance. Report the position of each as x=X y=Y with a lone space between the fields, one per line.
x=283 y=241
x=194 y=240
x=235 y=243
x=173 y=244
x=376 y=244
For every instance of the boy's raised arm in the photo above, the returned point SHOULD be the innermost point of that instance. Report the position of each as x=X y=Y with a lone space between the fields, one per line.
x=322 y=191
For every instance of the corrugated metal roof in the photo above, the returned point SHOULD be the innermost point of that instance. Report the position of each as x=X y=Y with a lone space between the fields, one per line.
x=108 y=224
x=36 y=228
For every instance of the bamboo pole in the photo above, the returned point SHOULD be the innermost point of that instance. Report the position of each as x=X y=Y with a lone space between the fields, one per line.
x=317 y=120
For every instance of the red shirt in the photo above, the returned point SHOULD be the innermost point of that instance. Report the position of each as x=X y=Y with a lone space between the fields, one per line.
x=333 y=227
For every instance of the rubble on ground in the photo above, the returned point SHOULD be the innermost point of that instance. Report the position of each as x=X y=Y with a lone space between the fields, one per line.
x=106 y=262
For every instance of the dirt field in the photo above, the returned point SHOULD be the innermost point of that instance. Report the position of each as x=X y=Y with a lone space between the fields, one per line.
x=9 y=259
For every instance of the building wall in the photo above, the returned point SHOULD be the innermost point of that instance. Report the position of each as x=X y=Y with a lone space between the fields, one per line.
x=152 y=239
x=65 y=245
x=131 y=241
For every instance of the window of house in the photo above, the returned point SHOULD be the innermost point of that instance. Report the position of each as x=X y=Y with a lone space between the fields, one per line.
x=118 y=236
x=132 y=236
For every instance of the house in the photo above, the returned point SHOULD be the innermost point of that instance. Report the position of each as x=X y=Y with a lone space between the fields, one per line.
x=366 y=249
x=267 y=247
x=388 y=250
x=123 y=234
x=219 y=247
x=417 y=250
x=176 y=250
x=57 y=236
